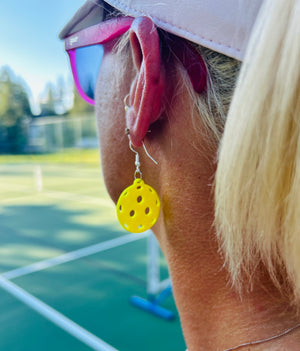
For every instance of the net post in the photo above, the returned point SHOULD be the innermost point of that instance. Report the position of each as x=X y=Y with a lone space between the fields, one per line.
x=153 y=269
x=38 y=178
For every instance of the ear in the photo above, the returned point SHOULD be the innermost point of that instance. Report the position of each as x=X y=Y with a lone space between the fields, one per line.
x=148 y=89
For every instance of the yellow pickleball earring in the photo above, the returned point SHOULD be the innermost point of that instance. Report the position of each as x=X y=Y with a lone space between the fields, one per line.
x=138 y=206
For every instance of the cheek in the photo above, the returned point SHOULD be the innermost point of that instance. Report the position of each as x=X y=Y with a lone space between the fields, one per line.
x=116 y=160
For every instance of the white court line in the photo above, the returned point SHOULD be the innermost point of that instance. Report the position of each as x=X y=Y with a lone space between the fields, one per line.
x=61 y=195
x=51 y=170
x=16 y=199
x=73 y=255
x=26 y=188
x=77 y=197
x=56 y=317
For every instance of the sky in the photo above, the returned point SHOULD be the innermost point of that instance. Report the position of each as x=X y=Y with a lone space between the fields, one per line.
x=29 y=41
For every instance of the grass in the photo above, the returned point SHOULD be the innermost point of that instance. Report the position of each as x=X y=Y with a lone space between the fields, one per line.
x=89 y=157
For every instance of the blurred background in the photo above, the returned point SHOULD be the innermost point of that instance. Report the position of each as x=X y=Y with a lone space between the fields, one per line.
x=70 y=278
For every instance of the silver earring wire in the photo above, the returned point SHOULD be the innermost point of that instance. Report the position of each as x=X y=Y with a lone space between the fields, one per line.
x=147 y=153
x=127 y=132
x=138 y=172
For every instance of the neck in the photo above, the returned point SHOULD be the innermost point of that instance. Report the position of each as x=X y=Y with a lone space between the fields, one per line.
x=213 y=316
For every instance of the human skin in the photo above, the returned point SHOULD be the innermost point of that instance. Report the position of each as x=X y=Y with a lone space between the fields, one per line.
x=213 y=315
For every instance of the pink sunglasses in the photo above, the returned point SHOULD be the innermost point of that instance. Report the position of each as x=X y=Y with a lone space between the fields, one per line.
x=87 y=47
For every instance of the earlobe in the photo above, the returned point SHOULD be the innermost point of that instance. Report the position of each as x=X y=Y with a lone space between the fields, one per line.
x=148 y=90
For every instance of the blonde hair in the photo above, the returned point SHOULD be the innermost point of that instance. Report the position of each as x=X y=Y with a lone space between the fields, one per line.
x=257 y=192
x=213 y=105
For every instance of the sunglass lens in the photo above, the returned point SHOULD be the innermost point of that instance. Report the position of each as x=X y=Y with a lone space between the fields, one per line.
x=88 y=61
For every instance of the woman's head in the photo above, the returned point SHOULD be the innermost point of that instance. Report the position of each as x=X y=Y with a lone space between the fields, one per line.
x=255 y=208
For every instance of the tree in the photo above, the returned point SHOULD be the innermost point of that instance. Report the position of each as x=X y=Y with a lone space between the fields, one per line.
x=48 y=102
x=55 y=98
x=14 y=111
x=80 y=106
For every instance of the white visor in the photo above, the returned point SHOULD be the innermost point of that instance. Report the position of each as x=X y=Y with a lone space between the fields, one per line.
x=221 y=25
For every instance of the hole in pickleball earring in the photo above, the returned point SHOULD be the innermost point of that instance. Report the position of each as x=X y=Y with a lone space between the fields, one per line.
x=140 y=226
x=139 y=187
x=147 y=210
x=139 y=199
x=150 y=190
x=120 y=208
x=132 y=213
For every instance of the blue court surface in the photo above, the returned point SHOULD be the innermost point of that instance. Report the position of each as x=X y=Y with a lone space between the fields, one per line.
x=67 y=269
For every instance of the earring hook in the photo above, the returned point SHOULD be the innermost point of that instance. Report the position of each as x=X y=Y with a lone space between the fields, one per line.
x=138 y=172
x=127 y=132
x=147 y=153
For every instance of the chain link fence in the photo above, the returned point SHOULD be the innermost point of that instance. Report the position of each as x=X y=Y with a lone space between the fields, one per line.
x=53 y=134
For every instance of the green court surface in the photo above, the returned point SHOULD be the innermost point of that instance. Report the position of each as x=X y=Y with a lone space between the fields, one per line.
x=67 y=270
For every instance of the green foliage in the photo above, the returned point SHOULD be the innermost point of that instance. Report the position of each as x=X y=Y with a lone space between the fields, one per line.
x=80 y=106
x=14 y=112
x=16 y=115
x=48 y=105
